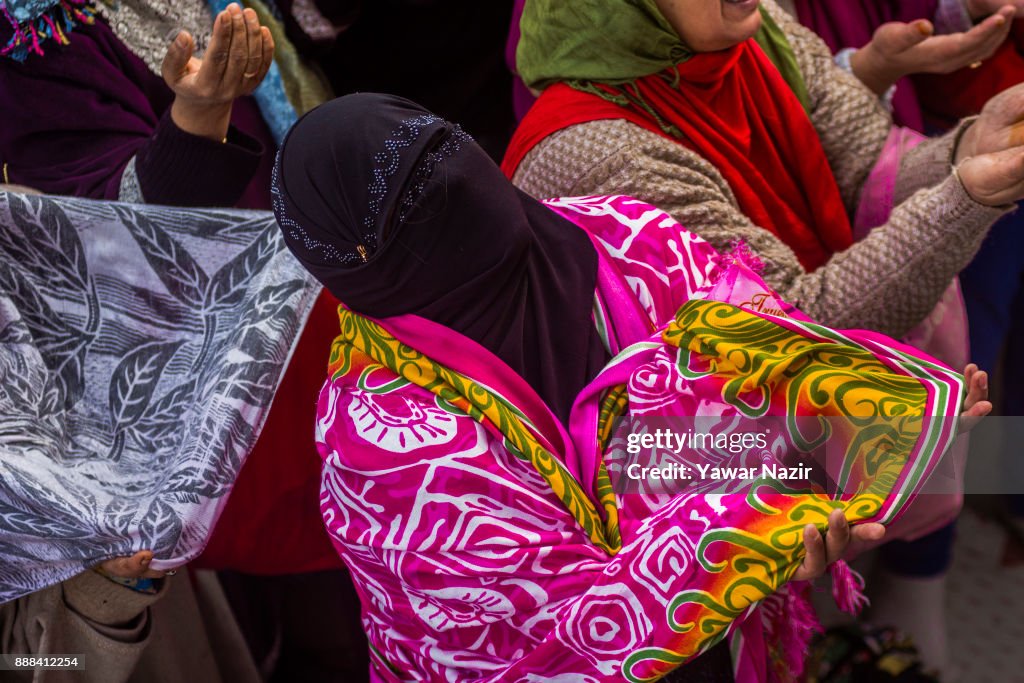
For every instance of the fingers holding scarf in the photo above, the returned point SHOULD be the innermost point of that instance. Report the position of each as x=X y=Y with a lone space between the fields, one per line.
x=840 y=539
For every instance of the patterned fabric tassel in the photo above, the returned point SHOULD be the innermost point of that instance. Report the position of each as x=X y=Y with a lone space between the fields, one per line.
x=738 y=252
x=789 y=629
x=54 y=24
x=848 y=588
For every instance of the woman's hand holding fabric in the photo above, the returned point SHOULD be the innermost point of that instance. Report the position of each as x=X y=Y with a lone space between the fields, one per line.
x=976 y=403
x=239 y=55
x=134 y=567
x=899 y=49
x=840 y=538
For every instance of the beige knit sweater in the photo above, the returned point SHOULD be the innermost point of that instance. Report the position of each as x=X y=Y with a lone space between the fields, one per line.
x=887 y=282
x=183 y=633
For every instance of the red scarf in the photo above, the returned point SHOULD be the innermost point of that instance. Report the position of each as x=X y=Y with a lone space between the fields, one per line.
x=734 y=109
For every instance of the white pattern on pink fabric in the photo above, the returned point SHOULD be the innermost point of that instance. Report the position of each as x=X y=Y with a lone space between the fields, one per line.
x=397 y=423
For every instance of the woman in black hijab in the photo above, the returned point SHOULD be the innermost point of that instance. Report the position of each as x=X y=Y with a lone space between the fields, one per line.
x=397 y=211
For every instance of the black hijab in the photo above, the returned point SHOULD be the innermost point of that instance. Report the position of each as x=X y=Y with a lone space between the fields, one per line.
x=397 y=211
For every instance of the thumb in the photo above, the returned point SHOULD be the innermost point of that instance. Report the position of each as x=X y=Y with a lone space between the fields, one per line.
x=179 y=52
x=896 y=37
x=995 y=178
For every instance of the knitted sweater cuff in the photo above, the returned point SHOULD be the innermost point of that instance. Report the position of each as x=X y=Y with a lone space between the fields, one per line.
x=929 y=163
x=180 y=169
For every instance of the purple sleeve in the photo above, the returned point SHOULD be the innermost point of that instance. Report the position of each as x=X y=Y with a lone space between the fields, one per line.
x=74 y=117
x=951 y=16
x=181 y=169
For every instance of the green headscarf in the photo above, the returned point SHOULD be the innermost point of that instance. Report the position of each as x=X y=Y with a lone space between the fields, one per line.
x=618 y=41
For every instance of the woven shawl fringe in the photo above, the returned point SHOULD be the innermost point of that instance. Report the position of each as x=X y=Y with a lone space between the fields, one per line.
x=54 y=24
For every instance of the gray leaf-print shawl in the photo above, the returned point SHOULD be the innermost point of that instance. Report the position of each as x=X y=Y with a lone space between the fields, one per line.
x=139 y=350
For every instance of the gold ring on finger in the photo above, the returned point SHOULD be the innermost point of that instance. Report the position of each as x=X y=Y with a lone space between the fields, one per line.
x=254 y=73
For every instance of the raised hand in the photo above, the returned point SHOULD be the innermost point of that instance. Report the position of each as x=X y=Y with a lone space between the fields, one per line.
x=990 y=155
x=982 y=8
x=898 y=49
x=999 y=127
x=238 y=57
